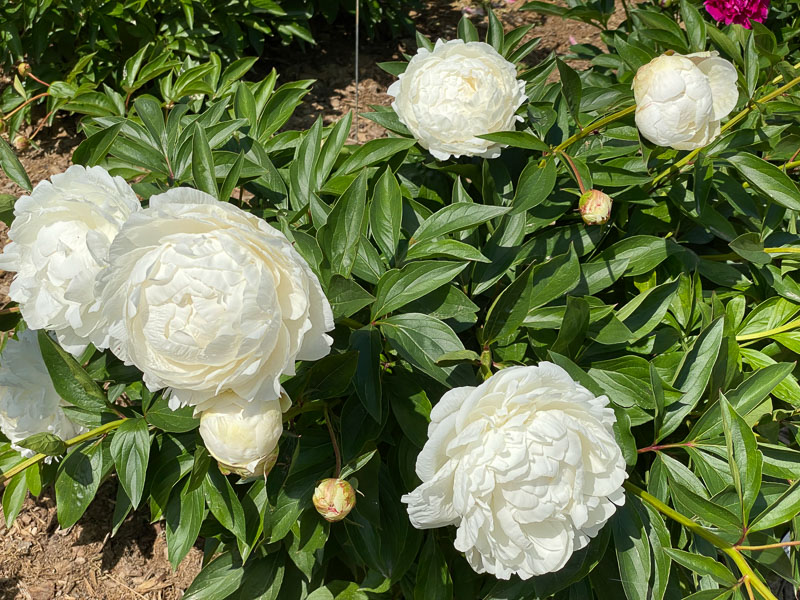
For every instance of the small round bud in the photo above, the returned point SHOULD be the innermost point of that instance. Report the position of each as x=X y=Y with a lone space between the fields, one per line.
x=595 y=207
x=23 y=69
x=21 y=143
x=334 y=499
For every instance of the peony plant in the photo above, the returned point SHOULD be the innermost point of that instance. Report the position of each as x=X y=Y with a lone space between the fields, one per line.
x=372 y=371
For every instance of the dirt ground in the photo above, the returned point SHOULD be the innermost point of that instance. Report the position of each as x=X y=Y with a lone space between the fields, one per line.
x=40 y=562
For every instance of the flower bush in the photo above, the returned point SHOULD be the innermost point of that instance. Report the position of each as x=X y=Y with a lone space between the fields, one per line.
x=581 y=354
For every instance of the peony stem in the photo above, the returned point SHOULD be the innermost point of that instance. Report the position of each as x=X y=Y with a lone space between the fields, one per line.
x=656 y=448
x=574 y=170
x=768 y=546
x=748 y=575
x=735 y=119
x=24 y=104
x=592 y=127
x=762 y=334
x=19 y=467
x=32 y=76
x=335 y=445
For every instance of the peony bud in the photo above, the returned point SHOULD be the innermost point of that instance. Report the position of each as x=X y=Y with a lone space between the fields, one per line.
x=334 y=499
x=23 y=69
x=595 y=207
x=244 y=440
x=680 y=100
x=21 y=143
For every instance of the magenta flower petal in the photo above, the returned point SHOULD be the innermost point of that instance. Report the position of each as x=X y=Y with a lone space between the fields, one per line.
x=740 y=12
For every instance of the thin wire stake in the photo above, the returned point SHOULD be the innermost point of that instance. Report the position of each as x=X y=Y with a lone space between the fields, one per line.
x=357 y=26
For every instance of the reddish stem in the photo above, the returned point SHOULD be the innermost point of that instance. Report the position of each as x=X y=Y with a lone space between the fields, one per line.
x=656 y=448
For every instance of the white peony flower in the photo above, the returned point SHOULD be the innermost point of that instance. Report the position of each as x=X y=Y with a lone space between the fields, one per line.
x=680 y=100
x=525 y=464
x=243 y=440
x=59 y=242
x=204 y=297
x=29 y=403
x=459 y=91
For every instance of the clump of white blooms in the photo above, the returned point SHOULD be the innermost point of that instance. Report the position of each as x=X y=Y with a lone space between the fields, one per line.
x=525 y=465
x=29 y=404
x=59 y=242
x=243 y=439
x=203 y=298
x=448 y=96
x=680 y=100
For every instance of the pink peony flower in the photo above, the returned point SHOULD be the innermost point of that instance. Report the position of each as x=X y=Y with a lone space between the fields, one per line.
x=738 y=11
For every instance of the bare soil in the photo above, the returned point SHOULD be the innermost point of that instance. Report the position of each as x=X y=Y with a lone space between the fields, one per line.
x=38 y=561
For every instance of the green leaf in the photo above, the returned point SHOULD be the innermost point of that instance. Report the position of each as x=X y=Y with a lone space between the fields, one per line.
x=445 y=249
x=220 y=578
x=693 y=375
x=330 y=149
x=94 y=149
x=633 y=550
x=702 y=565
x=263 y=578
x=535 y=185
x=301 y=169
x=79 y=476
x=744 y=457
x=570 y=88
x=554 y=278
x=175 y=421
x=71 y=382
x=455 y=217
x=517 y=139
x=13 y=498
x=44 y=443
x=495 y=36
x=466 y=30
x=346 y=296
x=433 y=577
x=341 y=235
x=509 y=309
x=421 y=340
x=782 y=510
x=149 y=111
x=695 y=26
x=131 y=68
x=398 y=287
x=642 y=314
x=130 y=448
x=203 y=163
x=232 y=178
x=749 y=247
x=184 y=515
x=772 y=183
x=751 y=68
x=223 y=503
x=573 y=328
x=386 y=213
x=372 y=152
x=367 y=380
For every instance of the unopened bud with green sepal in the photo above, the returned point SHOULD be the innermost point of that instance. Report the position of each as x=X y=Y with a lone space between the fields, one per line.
x=334 y=499
x=595 y=207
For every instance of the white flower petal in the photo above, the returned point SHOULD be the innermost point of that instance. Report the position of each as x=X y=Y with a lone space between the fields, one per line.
x=526 y=465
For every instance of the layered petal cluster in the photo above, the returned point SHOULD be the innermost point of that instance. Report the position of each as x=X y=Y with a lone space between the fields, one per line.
x=59 y=242
x=244 y=440
x=525 y=465
x=203 y=298
x=29 y=404
x=740 y=12
x=448 y=96
x=680 y=100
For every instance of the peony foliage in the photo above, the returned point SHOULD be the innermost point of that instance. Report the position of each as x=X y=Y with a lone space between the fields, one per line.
x=373 y=371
